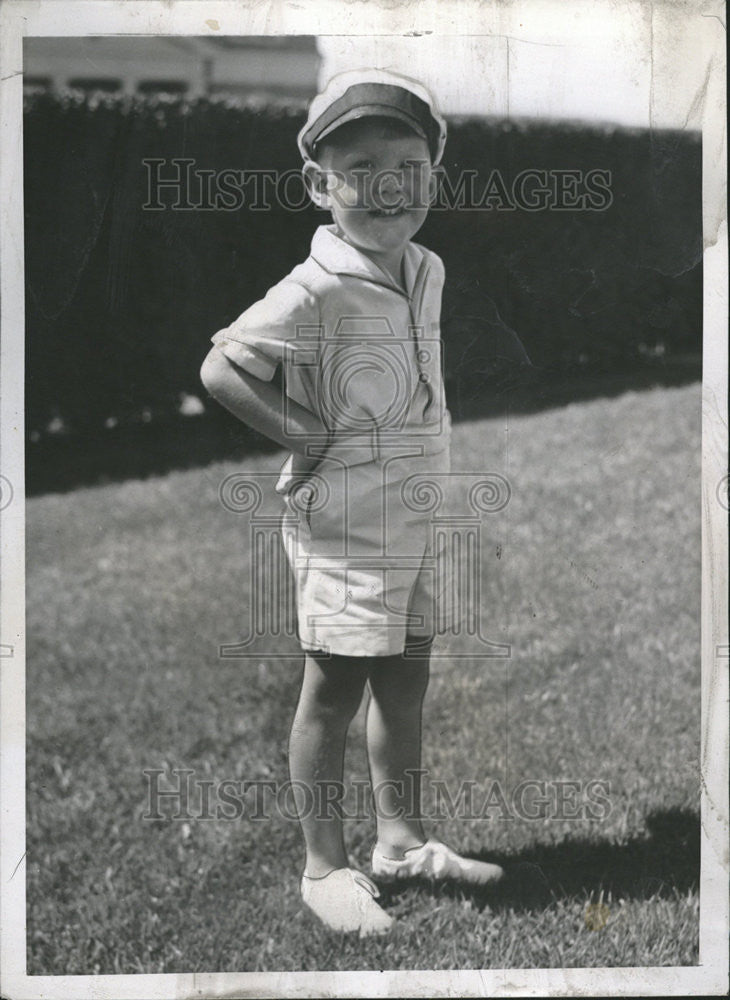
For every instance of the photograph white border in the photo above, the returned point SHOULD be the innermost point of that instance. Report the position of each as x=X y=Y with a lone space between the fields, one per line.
x=704 y=21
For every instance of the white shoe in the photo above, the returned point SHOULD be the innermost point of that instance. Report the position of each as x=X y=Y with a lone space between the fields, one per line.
x=434 y=860
x=344 y=900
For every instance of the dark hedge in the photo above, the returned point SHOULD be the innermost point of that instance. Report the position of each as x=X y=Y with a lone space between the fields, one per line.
x=122 y=300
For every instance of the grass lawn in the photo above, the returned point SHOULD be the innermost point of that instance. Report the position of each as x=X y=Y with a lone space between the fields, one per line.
x=591 y=573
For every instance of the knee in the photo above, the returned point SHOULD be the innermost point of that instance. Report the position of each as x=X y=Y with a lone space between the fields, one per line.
x=400 y=692
x=332 y=707
x=333 y=701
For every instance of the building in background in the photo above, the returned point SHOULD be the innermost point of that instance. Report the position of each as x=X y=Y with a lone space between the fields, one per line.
x=241 y=68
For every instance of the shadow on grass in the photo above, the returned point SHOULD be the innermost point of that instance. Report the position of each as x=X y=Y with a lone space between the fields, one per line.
x=664 y=862
x=59 y=463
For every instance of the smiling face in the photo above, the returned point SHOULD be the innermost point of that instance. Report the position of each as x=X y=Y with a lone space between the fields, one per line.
x=375 y=176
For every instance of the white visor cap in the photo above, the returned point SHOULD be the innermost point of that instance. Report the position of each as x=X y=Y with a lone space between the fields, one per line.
x=365 y=93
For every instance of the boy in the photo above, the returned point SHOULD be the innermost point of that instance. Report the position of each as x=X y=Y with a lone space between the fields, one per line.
x=356 y=328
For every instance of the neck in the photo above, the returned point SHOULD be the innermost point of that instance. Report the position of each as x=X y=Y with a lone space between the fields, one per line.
x=390 y=261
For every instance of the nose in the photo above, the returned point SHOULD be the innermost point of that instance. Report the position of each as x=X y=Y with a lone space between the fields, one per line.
x=388 y=188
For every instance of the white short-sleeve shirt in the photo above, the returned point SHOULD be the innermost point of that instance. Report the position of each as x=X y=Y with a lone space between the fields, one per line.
x=356 y=349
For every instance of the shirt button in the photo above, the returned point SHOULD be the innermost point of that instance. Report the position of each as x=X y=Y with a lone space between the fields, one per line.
x=423 y=357
x=424 y=377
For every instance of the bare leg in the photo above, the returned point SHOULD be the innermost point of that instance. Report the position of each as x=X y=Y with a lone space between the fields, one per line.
x=397 y=687
x=331 y=693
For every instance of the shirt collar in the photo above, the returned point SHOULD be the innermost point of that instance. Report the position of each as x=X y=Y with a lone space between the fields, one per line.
x=339 y=257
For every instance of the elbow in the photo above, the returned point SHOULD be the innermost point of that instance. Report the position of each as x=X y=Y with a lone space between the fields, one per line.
x=213 y=371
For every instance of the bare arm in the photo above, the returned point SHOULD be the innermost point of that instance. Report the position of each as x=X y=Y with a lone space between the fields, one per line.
x=259 y=404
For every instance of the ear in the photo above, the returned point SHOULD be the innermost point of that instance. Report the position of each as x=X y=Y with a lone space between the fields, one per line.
x=315 y=180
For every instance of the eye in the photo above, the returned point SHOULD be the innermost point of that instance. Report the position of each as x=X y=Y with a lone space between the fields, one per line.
x=362 y=165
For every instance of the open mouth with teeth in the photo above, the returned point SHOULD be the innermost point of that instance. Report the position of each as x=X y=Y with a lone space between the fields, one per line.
x=387 y=212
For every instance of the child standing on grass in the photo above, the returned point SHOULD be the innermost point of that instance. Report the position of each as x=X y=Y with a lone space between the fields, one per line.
x=356 y=329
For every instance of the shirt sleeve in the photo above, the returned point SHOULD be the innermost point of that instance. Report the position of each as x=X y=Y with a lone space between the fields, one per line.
x=265 y=334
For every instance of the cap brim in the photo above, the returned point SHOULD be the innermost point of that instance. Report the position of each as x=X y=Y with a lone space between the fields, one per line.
x=373 y=111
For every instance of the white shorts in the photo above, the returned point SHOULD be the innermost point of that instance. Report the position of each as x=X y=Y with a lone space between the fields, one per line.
x=367 y=562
